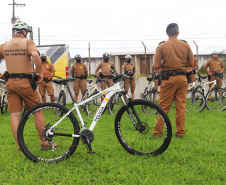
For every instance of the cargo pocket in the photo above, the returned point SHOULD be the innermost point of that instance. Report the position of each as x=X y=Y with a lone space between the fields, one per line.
x=26 y=89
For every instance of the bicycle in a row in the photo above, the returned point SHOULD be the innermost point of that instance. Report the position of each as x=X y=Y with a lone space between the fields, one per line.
x=215 y=97
x=133 y=127
x=3 y=97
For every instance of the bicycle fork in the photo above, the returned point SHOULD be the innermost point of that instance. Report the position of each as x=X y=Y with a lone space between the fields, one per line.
x=138 y=126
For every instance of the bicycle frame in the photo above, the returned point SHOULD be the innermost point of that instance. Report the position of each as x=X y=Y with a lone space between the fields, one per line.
x=109 y=92
x=69 y=90
x=214 y=83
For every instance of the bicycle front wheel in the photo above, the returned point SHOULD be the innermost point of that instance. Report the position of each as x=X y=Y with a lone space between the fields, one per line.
x=216 y=100
x=61 y=101
x=134 y=128
x=34 y=140
x=4 y=105
x=195 y=102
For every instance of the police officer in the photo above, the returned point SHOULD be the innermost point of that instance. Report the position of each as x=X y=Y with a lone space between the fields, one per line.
x=106 y=68
x=192 y=70
x=157 y=72
x=46 y=84
x=132 y=74
x=176 y=55
x=214 y=64
x=80 y=72
x=17 y=53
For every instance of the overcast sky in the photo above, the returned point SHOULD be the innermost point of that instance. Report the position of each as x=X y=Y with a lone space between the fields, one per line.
x=119 y=25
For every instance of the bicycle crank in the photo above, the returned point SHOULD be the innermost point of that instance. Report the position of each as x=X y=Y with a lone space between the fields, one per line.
x=87 y=137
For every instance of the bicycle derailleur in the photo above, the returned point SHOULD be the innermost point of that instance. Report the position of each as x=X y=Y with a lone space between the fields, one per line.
x=87 y=137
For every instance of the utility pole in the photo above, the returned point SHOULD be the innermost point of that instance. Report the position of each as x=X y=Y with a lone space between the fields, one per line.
x=15 y=4
x=145 y=57
x=89 y=62
x=39 y=36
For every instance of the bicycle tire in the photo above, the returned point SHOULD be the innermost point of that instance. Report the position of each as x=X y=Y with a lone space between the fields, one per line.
x=61 y=101
x=85 y=95
x=216 y=102
x=4 y=105
x=196 y=102
x=92 y=106
x=115 y=103
x=152 y=96
x=140 y=140
x=29 y=139
x=142 y=95
x=199 y=88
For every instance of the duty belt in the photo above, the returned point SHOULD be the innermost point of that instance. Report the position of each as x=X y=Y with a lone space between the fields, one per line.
x=20 y=76
x=177 y=73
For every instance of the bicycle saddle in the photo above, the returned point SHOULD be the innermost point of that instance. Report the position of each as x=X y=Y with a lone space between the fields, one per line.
x=60 y=81
x=89 y=81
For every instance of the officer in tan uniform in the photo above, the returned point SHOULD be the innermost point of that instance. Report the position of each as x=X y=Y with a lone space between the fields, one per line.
x=106 y=69
x=132 y=74
x=192 y=70
x=46 y=84
x=217 y=65
x=176 y=55
x=80 y=72
x=20 y=82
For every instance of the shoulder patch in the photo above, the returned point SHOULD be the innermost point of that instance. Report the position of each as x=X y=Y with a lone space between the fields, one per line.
x=161 y=42
x=184 y=41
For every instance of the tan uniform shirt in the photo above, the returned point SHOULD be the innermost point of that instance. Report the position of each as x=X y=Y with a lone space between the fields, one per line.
x=47 y=69
x=175 y=54
x=214 y=65
x=105 y=68
x=195 y=64
x=79 y=69
x=129 y=66
x=17 y=54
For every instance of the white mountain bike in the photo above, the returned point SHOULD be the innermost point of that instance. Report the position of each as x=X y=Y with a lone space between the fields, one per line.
x=133 y=128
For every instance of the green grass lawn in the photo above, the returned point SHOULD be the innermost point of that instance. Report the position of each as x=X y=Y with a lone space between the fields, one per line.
x=197 y=158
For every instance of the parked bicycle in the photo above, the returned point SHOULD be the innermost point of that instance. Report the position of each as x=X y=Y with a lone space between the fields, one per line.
x=195 y=100
x=91 y=106
x=3 y=98
x=215 y=97
x=133 y=128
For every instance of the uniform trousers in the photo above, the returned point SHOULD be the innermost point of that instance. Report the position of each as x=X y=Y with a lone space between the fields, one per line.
x=20 y=90
x=219 y=81
x=43 y=86
x=130 y=84
x=78 y=83
x=175 y=88
x=108 y=83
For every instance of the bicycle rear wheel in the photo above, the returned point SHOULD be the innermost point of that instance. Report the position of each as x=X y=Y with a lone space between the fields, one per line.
x=216 y=100
x=4 y=105
x=31 y=136
x=61 y=101
x=115 y=103
x=92 y=106
x=134 y=128
x=152 y=96
x=195 y=102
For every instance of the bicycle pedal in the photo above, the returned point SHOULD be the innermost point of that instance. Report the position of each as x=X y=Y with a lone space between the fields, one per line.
x=91 y=152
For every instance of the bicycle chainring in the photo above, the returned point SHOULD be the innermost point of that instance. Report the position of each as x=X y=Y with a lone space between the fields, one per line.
x=85 y=135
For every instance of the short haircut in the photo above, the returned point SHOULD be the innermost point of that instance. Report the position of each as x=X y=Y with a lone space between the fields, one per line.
x=172 y=29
